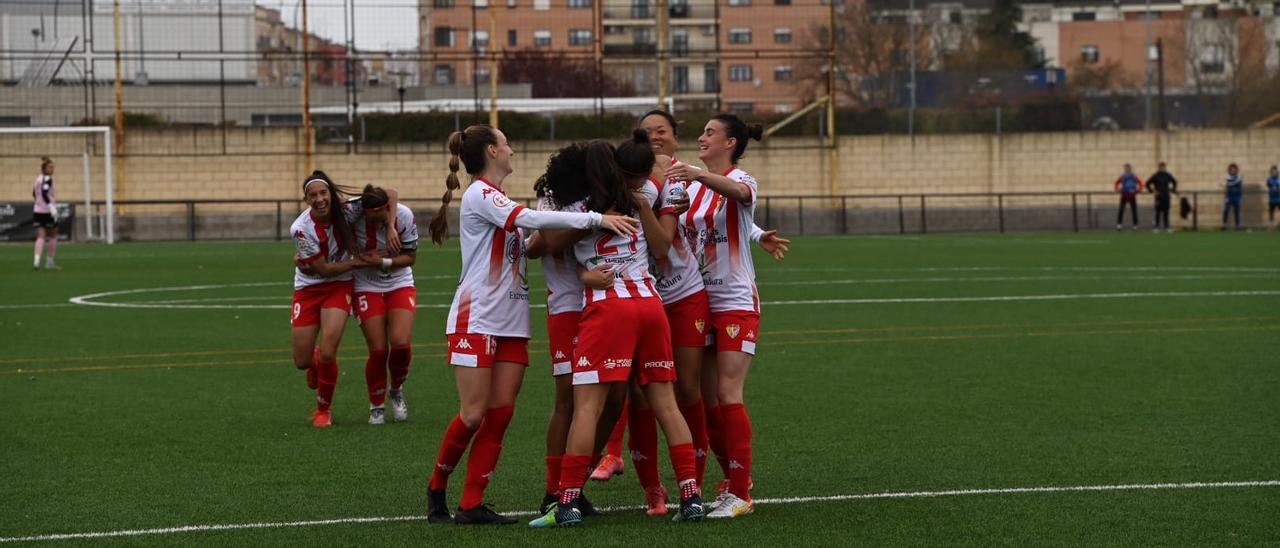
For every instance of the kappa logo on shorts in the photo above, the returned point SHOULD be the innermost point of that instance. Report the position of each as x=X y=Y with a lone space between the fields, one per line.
x=584 y=362
x=732 y=329
x=559 y=355
x=699 y=325
x=751 y=334
x=463 y=344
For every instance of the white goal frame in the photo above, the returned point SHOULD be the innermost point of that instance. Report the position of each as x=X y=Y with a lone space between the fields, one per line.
x=110 y=232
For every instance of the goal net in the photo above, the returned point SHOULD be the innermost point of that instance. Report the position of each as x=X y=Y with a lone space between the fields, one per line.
x=83 y=173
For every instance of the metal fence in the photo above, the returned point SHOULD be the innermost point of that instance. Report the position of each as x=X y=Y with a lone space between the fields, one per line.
x=194 y=220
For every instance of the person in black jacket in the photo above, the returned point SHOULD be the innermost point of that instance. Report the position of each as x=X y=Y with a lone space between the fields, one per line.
x=1163 y=185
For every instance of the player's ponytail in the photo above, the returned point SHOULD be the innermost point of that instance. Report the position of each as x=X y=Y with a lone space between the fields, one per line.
x=439 y=226
x=740 y=132
x=608 y=186
x=44 y=164
x=470 y=147
x=635 y=156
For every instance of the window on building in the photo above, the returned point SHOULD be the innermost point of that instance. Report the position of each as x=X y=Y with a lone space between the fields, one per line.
x=511 y=38
x=511 y=3
x=956 y=17
x=541 y=4
x=739 y=2
x=1084 y=16
x=1089 y=54
x=739 y=73
x=640 y=9
x=710 y=78
x=482 y=75
x=542 y=38
x=444 y=37
x=442 y=4
x=480 y=40
x=782 y=35
x=742 y=108
x=782 y=2
x=641 y=36
x=579 y=37
x=579 y=3
x=1213 y=59
x=680 y=42
x=680 y=79
x=444 y=75
x=783 y=108
x=480 y=4
x=782 y=73
x=740 y=35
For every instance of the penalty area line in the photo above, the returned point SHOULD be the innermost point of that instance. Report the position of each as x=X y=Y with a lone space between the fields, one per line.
x=781 y=500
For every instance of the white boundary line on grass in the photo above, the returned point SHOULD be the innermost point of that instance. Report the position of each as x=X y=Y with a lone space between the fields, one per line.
x=784 y=500
x=88 y=300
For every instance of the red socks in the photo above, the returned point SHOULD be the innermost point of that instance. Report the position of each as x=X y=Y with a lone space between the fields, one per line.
x=644 y=446
x=326 y=381
x=573 y=475
x=375 y=375
x=716 y=437
x=398 y=362
x=614 y=446
x=737 y=427
x=485 y=451
x=454 y=444
x=683 y=461
x=553 y=473
x=696 y=418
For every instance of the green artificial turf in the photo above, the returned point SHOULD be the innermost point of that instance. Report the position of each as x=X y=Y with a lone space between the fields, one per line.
x=885 y=365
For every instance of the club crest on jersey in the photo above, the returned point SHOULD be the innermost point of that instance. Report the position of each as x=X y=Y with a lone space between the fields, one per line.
x=501 y=200
x=699 y=325
x=732 y=329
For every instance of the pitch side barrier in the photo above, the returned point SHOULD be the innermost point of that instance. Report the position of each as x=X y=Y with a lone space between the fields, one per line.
x=269 y=219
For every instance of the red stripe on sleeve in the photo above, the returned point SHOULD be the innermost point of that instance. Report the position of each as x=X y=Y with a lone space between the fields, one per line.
x=510 y=225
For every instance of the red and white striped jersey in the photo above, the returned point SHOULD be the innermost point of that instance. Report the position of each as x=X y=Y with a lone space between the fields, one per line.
x=723 y=233
x=313 y=239
x=629 y=256
x=370 y=237
x=564 y=289
x=493 y=292
x=678 y=276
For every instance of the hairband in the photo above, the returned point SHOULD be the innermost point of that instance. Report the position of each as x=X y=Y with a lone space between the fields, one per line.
x=308 y=183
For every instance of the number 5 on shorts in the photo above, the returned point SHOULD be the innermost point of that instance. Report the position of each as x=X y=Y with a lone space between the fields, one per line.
x=364 y=304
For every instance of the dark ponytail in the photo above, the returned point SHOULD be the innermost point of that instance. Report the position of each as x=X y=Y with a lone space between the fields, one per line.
x=337 y=209
x=635 y=157
x=44 y=163
x=609 y=188
x=373 y=197
x=740 y=131
x=469 y=147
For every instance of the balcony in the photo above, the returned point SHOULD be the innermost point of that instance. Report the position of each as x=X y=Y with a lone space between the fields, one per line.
x=630 y=49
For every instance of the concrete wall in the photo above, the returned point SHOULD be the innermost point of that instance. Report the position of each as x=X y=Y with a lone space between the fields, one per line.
x=266 y=163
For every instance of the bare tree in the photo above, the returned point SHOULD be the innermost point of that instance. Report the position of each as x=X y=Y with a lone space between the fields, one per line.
x=871 y=49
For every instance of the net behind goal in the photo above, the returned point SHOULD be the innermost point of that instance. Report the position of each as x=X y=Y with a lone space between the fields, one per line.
x=83 y=170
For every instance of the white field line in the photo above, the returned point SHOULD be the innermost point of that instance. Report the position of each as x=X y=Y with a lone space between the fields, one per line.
x=1011 y=298
x=87 y=299
x=784 y=500
x=11 y=306
x=1029 y=269
x=1010 y=279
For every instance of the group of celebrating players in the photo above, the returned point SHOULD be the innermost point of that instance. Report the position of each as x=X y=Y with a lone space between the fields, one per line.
x=651 y=301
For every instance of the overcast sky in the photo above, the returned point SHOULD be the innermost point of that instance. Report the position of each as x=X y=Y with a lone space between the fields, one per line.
x=379 y=24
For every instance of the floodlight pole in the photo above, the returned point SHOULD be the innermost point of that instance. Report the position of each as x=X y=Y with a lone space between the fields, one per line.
x=307 y=130
x=493 y=67
x=662 y=52
x=833 y=150
x=911 y=109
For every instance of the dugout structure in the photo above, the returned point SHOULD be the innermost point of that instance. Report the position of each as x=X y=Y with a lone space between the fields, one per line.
x=36 y=146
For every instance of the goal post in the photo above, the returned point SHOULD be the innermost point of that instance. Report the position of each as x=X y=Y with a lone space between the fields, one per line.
x=108 y=225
